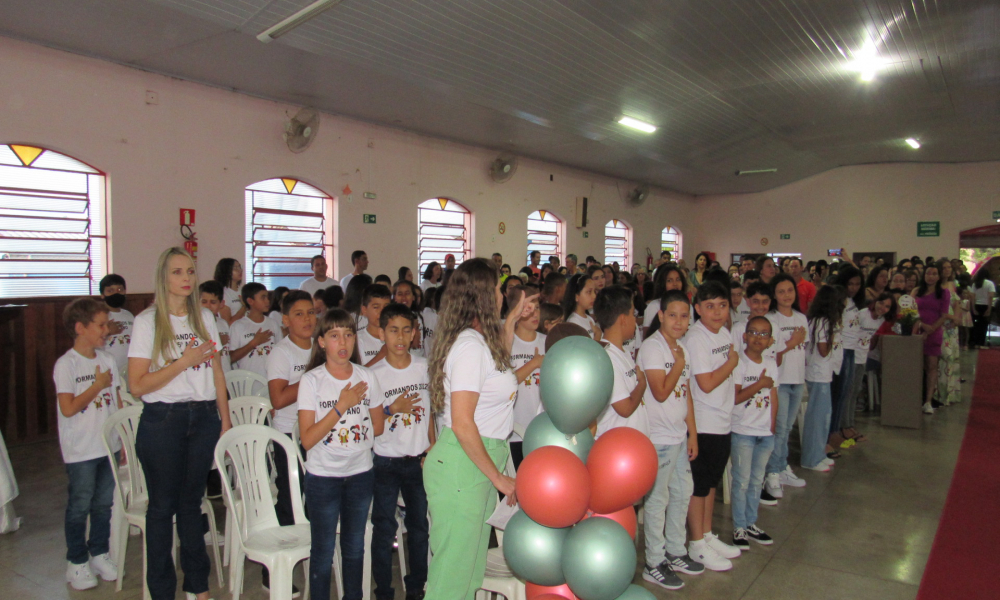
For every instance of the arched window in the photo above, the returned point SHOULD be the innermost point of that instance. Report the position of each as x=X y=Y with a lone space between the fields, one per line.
x=443 y=227
x=670 y=241
x=287 y=223
x=53 y=228
x=544 y=235
x=618 y=243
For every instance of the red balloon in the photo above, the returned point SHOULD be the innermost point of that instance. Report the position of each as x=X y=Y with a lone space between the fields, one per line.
x=542 y=592
x=622 y=466
x=625 y=517
x=553 y=487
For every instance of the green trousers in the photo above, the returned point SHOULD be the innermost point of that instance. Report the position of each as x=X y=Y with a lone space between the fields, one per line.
x=460 y=499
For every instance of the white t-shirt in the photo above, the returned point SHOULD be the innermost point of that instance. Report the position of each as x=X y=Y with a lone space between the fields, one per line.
x=289 y=362
x=347 y=449
x=868 y=325
x=529 y=402
x=418 y=332
x=232 y=299
x=276 y=316
x=742 y=312
x=117 y=345
x=587 y=322
x=632 y=344
x=470 y=368
x=740 y=328
x=80 y=436
x=427 y=284
x=793 y=364
x=667 y=423
x=345 y=280
x=224 y=358
x=240 y=334
x=707 y=352
x=819 y=368
x=194 y=383
x=368 y=346
x=430 y=324
x=983 y=293
x=753 y=417
x=625 y=381
x=851 y=331
x=404 y=434
x=313 y=285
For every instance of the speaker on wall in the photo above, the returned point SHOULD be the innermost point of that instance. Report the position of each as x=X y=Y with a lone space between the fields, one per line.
x=581 y=212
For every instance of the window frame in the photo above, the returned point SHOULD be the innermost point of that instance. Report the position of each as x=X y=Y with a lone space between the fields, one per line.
x=440 y=205
x=678 y=244
x=559 y=233
x=626 y=244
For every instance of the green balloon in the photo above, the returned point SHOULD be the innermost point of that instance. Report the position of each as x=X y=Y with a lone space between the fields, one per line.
x=541 y=432
x=598 y=559
x=534 y=552
x=576 y=382
x=636 y=592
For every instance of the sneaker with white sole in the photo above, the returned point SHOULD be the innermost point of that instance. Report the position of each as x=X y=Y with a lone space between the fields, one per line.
x=190 y=596
x=103 y=566
x=821 y=467
x=772 y=485
x=740 y=539
x=757 y=534
x=685 y=564
x=80 y=577
x=721 y=548
x=789 y=478
x=928 y=409
x=704 y=554
x=662 y=575
x=828 y=462
x=767 y=499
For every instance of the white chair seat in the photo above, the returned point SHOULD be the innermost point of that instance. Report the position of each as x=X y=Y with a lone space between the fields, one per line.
x=496 y=564
x=291 y=538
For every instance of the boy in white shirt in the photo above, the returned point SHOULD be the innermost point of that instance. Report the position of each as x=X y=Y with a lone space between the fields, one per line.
x=753 y=430
x=253 y=337
x=119 y=320
x=616 y=318
x=399 y=453
x=375 y=298
x=674 y=434
x=739 y=307
x=211 y=298
x=87 y=384
x=319 y=280
x=526 y=358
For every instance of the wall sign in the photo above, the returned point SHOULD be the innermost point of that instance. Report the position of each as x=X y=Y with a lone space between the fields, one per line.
x=502 y=228
x=786 y=236
x=763 y=241
x=369 y=218
x=586 y=234
x=996 y=215
x=928 y=228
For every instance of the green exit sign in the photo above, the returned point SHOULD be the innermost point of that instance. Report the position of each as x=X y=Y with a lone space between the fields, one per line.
x=586 y=234
x=786 y=236
x=928 y=228
x=369 y=218
x=996 y=215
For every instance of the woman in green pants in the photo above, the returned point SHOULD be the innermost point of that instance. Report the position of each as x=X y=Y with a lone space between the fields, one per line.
x=473 y=388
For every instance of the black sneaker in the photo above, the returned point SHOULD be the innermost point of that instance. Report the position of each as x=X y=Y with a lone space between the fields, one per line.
x=415 y=596
x=757 y=534
x=767 y=499
x=685 y=564
x=740 y=539
x=663 y=576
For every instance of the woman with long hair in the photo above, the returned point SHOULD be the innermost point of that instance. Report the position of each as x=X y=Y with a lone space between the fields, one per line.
x=701 y=264
x=229 y=274
x=932 y=303
x=173 y=367
x=985 y=291
x=849 y=278
x=472 y=389
x=950 y=366
x=878 y=282
x=765 y=266
x=822 y=352
x=432 y=275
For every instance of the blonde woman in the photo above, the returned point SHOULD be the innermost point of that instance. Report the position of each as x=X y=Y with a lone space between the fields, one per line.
x=172 y=366
x=473 y=388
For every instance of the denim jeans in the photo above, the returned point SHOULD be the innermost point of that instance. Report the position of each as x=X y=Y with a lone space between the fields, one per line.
x=332 y=499
x=667 y=503
x=91 y=492
x=749 y=455
x=847 y=413
x=789 y=400
x=816 y=424
x=175 y=445
x=840 y=390
x=392 y=477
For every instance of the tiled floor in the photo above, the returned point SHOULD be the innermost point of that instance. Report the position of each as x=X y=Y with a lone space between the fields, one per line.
x=863 y=531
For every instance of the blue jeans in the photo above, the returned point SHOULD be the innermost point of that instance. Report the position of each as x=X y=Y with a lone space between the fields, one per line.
x=750 y=454
x=175 y=445
x=816 y=424
x=392 y=477
x=667 y=504
x=91 y=493
x=789 y=400
x=331 y=499
x=841 y=389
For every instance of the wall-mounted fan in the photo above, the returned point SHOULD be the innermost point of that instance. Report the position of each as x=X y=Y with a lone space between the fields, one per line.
x=301 y=130
x=638 y=195
x=503 y=167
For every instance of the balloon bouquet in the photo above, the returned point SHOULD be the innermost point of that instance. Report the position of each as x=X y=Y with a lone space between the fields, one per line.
x=573 y=538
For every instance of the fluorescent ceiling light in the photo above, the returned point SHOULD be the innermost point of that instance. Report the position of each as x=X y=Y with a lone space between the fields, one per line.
x=867 y=61
x=637 y=124
x=913 y=143
x=290 y=23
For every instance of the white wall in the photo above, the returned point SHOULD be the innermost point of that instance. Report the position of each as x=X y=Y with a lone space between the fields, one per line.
x=200 y=146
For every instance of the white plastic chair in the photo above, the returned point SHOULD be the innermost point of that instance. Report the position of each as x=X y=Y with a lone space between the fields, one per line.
x=241 y=382
x=250 y=410
x=499 y=578
x=127 y=398
x=134 y=498
x=261 y=538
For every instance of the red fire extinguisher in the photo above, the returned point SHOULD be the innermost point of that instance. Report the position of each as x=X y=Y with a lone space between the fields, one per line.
x=649 y=259
x=191 y=247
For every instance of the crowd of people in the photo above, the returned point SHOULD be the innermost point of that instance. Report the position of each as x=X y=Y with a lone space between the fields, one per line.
x=422 y=390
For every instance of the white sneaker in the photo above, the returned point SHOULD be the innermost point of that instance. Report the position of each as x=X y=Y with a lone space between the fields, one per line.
x=701 y=552
x=190 y=596
x=103 y=565
x=821 y=467
x=827 y=461
x=721 y=548
x=772 y=485
x=789 y=478
x=928 y=409
x=80 y=577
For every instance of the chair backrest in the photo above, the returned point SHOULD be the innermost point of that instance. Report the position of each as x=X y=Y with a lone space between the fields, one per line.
x=297 y=440
x=125 y=423
x=246 y=447
x=250 y=410
x=127 y=398
x=241 y=382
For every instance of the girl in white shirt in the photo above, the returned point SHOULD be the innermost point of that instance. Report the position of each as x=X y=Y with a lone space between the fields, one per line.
x=824 y=343
x=173 y=367
x=581 y=291
x=668 y=278
x=473 y=388
x=229 y=274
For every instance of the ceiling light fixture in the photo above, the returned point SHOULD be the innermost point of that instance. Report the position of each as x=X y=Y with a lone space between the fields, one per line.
x=300 y=17
x=756 y=171
x=913 y=143
x=867 y=61
x=637 y=124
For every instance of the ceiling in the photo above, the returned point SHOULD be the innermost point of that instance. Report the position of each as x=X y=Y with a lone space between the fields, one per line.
x=731 y=85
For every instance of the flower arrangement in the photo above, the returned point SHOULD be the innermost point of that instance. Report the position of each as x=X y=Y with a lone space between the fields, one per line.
x=908 y=316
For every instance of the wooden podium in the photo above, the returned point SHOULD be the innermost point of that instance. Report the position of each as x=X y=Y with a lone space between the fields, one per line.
x=902 y=380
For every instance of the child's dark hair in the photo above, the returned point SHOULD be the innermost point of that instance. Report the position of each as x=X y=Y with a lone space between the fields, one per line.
x=563 y=331
x=827 y=305
x=552 y=283
x=664 y=301
x=375 y=290
x=82 y=311
x=773 y=291
x=711 y=290
x=430 y=298
x=401 y=273
x=770 y=327
x=383 y=279
x=611 y=303
x=333 y=296
x=333 y=319
x=250 y=290
x=751 y=275
x=393 y=310
x=718 y=275
x=355 y=292
x=276 y=297
x=759 y=288
x=735 y=285
x=548 y=312
x=890 y=315
x=573 y=287
x=849 y=272
x=110 y=280
x=224 y=271
x=292 y=297
x=212 y=287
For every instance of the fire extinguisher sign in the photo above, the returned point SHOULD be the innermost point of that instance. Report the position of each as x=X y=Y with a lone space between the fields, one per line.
x=187 y=216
